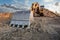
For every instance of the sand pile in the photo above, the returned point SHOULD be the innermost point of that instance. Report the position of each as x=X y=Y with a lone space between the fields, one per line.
x=33 y=33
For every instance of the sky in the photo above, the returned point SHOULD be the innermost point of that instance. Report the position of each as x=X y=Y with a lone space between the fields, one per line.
x=49 y=4
x=28 y=2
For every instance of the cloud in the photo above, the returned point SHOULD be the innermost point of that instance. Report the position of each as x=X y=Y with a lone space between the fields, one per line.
x=26 y=2
x=48 y=0
x=53 y=7
x=17 y=1
x=19 y=4
x=57 y=3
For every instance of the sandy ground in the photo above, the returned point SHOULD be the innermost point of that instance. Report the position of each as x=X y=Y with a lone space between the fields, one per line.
x=43 y=28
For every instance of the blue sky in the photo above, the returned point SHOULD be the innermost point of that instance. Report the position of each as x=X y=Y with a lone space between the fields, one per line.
x=28 y=2
x=49 y=4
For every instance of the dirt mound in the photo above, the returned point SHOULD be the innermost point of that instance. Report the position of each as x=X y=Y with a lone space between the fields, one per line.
x=46 y=13
x=5 y=17
x=23 y=34
x=34 y=32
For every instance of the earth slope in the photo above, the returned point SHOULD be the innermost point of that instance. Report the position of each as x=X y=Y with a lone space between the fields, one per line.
x=51 y=30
